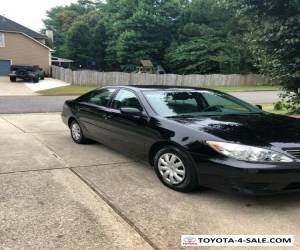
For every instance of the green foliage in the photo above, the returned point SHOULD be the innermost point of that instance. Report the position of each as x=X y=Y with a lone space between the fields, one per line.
x=78 y=38
x=197 y=36
x=139 y=30
x=200 y=55
x=278 y=105
x=275 y=42
x=185 y=36
x=60 y=19
x=210 y=40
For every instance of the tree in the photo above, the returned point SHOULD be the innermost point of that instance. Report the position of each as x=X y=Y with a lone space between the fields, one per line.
x=60 y=19
x=210 y=41
x=78 y=43
x=86 y=41
x=198 y=36
x=139 y=30
x=275 y=42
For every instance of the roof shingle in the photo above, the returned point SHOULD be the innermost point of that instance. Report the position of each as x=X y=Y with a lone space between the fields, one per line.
x=9 y=25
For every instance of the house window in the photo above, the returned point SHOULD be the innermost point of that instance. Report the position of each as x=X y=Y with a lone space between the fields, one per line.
x=2 y=40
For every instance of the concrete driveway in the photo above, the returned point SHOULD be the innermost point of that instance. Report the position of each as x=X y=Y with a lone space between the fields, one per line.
x=8 y=88
x=21 y=88
x=59 y=195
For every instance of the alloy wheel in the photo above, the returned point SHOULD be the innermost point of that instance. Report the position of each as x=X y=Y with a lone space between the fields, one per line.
x=76 y=132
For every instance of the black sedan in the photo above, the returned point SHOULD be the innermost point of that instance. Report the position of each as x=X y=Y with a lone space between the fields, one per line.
x=193 y=137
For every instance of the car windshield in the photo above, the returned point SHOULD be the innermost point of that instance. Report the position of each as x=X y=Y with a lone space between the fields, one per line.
x=196 y=103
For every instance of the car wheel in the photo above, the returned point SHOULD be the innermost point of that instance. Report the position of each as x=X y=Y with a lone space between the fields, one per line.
x=76 y=133
x=13 y=79
x=175 y=170
x=42 y=77
x=36 y=79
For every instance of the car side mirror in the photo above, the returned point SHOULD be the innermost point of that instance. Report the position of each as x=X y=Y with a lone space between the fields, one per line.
x=131 y=111
x=260 y=107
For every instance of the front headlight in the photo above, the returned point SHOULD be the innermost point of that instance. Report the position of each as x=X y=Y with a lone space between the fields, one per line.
x=248 y=153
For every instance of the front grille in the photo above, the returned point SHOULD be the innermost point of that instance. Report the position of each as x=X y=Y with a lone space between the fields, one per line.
x=294 y=152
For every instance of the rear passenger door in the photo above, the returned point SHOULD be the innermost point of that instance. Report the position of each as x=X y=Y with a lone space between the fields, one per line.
x=92 y=112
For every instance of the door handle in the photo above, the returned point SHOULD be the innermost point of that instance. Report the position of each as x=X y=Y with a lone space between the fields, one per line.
x=84 y=109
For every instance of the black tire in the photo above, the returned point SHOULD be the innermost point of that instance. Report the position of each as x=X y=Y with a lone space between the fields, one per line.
x=13 y=79
x=81 y=139
x=36 y=79
x=189 y=182
x=42 y=77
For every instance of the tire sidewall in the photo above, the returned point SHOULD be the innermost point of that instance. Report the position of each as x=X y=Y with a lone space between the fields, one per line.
x=190 y=180
x=81 y=139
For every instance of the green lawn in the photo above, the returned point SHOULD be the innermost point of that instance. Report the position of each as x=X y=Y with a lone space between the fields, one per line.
x=270 y=108
x=79 y=90
x=247 y=88
x=68 y=90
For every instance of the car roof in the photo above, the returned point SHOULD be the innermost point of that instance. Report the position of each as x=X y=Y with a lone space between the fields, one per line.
x=164 y=88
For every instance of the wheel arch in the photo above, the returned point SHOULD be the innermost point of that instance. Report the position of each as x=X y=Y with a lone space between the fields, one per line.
x=70 y=120
x=158 y=146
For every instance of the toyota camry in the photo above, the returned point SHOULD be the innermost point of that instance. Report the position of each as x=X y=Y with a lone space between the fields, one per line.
x=192 y=137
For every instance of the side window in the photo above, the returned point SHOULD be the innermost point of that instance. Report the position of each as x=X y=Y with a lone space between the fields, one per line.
x=126 y=99
x=100 y=97
x=2 y=40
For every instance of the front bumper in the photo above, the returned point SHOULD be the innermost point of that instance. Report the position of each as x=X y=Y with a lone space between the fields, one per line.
x=231 y=175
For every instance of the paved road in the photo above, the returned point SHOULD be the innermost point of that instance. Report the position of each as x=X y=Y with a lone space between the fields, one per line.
x=56 y=194
x=41 y=104
x=259 y=97
x=32 y=104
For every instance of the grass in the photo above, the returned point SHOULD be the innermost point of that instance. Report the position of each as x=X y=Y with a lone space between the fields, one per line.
x=79 y=90
x=67 y=90
x=270 y=108
x=247 y=88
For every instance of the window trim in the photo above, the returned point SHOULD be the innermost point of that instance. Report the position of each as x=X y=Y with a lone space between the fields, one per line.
x=87 y=95
x=2 y=35
x=144 y=111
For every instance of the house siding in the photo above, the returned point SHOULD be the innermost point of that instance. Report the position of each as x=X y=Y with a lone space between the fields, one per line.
x=21 y=49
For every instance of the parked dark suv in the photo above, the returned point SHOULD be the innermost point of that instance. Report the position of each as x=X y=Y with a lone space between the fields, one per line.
x=26 y=72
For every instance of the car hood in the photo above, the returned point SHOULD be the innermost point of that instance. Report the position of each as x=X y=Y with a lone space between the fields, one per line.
x=262 y=129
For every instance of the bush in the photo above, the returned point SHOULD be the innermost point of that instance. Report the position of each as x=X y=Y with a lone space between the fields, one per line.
x=278 y=106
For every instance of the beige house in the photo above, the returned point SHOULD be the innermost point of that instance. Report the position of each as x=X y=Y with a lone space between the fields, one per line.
x=20 y=45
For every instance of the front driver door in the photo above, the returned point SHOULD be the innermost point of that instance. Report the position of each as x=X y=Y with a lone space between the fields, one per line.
x=130 y=133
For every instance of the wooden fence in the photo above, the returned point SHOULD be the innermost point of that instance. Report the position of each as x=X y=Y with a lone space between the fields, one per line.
x=88 y=77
